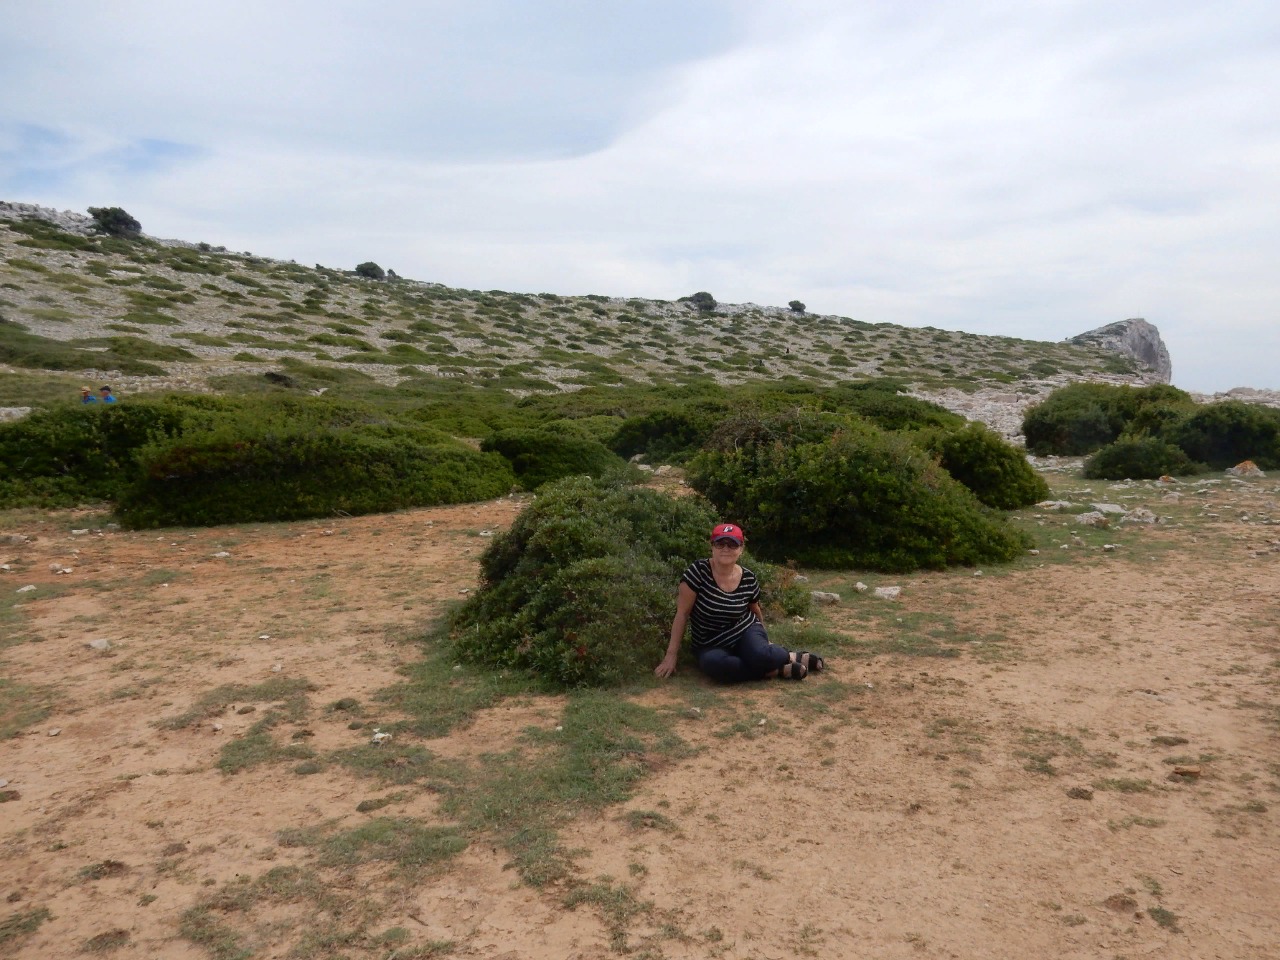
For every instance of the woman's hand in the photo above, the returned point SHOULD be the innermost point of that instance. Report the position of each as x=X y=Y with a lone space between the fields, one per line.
x=666 y=668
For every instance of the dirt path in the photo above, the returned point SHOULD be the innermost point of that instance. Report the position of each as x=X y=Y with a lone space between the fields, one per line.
x=1003 y=793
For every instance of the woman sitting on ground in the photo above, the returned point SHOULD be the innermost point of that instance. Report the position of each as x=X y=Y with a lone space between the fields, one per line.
x=720 y=600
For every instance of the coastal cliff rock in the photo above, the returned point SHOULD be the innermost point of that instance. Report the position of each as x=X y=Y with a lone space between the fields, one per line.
x=1133 y=338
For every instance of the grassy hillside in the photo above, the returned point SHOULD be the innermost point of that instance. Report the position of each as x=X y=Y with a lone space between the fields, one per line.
x=146 y=315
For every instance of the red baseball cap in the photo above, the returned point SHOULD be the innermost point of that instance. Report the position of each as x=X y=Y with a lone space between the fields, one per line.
x=727 y=531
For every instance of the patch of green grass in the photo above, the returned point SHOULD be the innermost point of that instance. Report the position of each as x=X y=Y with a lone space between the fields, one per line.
x=649 y=820
x=288 y=689
x=616 y=905
x=410 y=848
x=107 y=941
x=1164 y=918
x=1128 y=822
x=21 y=706
x=1123 y=785
x=21 y=924
x=396 y=762
x=257 y=746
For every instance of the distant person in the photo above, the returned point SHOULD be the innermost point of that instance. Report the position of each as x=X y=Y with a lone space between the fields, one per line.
x=86 y=396
x=107 y=395
x=721 y=602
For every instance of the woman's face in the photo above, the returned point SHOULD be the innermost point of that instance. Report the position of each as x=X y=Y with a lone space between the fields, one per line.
x=726 y=549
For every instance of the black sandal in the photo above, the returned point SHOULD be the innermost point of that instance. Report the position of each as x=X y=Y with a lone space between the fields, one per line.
x=793 y=671
x=811 y=661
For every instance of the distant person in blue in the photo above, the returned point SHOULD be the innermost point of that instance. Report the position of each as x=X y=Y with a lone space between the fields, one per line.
x=107 y=395
x=720 y=601
x=86 y=396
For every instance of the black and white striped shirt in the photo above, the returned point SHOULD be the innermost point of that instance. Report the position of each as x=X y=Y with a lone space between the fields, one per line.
x=719 y=618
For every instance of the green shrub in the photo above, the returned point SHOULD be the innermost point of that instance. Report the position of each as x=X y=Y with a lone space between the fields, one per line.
x=796 y=306
x=242 y=470
x=581 y=590
x=995 y=471
x=1141 y=458
x=1072 y=421
x=1077 y=419
x=115 y=222
x=541 y=455
x=670 y=435
x=370 y=270
x=1224 y=434
x=69 y=455
x=855 y=497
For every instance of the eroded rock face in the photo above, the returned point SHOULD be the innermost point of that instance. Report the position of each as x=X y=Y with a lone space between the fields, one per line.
x=67 y=220
x=1133 y=338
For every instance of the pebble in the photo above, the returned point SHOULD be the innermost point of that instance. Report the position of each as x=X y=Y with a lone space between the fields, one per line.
x=264 y=636
x=222 y=555
x=3 y=783
x=861 y=587
x=761 y=722
x=78 y=533
x=101 y=643
x=820 y=596
x=216 y=727
x=888 y=593
x=276 y=668
x=1034 y=553
x=54 y=731
x=27 y=589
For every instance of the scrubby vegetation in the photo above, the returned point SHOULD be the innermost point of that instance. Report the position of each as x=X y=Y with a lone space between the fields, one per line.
x=581 y=590
x=831 y=491
x=1142 y=458
x=206 y=460
x=996 y=472
x=542 y=455
x=1150 y=429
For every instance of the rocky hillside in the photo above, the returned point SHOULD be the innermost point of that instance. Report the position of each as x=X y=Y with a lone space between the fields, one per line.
x=148 y=314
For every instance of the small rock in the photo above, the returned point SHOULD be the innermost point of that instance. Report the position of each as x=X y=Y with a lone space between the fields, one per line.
x=1185 y=773
x=820 y=596
x=693 y=712
x=326 y=533
x=78 y=533
x=1080 y=793
x=1141 y=515
x=5 y=567
x=54 y=731
x=662 y=471
x=379 y=738
x=977 y=573
x=221 y=555
x=65 y=570
x=264 y=636
x=486 y=533
x=1034 y=552
x=1093 y=518
x=888 y=593
x=101 y=643
x=1055 y=504
x=3 y=783
x=216 y=727
x=13 y=539
x=27 y=589
x=800 y=578
x=1109 y=508
x=1109 y=547
x=861 y=587
x=1246 y=468
x=276 y=668
x=761 y=722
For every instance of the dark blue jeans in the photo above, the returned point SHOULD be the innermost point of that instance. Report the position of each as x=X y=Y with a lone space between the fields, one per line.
x=751 y=658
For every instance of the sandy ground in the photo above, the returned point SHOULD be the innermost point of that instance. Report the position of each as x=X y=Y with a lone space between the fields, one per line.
x=1013 y=801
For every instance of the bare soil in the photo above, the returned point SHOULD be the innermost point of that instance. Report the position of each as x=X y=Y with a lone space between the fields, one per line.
x=1013 y=795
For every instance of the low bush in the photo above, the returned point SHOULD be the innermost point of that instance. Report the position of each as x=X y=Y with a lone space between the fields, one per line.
x=1077 y=419
x=581 y=590
x=69 y=455
x=854 y=496
x=541 y=455
x=1142 y=458
x=669 y=435
x=241 y=471
x=995 y=471
x=1224 y=434
x=116 y=222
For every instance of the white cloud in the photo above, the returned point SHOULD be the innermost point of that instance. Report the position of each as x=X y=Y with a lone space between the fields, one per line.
x=1029 y=171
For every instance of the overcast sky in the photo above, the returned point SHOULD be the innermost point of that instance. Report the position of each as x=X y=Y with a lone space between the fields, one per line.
x=1025 y=169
